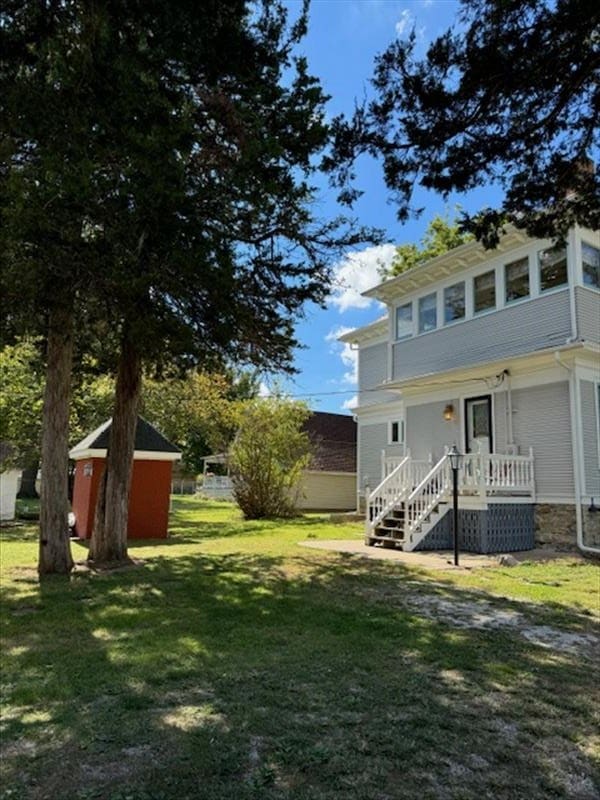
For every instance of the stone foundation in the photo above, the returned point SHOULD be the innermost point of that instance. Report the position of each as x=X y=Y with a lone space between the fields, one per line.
x=591 y=527
x=555 y=526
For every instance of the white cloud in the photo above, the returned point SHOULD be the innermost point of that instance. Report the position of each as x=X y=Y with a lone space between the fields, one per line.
x=263 y=390
x=358 y=272
x=345 y=352
x=405 y=22
x=350 y=405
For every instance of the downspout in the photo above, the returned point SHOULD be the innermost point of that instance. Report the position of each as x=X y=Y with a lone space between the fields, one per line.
x=509 y=410
x=574 y=403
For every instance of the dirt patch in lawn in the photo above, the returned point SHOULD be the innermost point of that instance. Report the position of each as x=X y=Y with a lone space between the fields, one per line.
x=483 y=615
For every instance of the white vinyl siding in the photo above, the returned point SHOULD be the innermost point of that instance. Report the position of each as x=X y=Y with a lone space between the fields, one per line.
x=588 y=314
x=591 y=436
x=500 y=406
x=372 y=370
x=539 y=324
x=541 y=420
x=372 y=440
x=427 y=432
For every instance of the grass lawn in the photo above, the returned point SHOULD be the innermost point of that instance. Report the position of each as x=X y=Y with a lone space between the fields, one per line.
x=235 y=664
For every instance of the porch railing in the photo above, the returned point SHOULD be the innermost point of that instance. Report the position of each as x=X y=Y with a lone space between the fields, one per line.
x=421 y=486
x=424 y=498
x=497 y=474
x=389 y=493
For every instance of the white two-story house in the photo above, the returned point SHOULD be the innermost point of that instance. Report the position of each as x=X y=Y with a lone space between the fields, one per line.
x=498 y=353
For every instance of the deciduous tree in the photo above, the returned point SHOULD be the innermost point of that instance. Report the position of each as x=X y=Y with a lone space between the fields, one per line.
x=442 y=235
x=268 y=455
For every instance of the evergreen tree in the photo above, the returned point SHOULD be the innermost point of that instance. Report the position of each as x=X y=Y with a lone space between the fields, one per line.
x=162 y=153
x=512 y=97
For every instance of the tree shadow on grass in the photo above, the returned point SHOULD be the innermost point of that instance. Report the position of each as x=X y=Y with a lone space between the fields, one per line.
x=236 y=676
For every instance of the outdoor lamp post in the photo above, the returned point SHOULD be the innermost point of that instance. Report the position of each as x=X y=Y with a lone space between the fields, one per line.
x=455 y=456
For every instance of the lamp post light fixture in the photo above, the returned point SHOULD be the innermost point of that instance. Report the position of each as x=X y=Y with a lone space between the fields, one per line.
x=455 y=456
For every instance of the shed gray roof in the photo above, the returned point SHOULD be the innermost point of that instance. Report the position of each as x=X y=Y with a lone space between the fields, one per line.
x=147 y=438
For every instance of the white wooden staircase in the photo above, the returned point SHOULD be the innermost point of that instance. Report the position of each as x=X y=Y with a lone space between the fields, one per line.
x=414 y=496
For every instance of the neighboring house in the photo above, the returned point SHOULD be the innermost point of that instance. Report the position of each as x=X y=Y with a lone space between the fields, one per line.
x=329 y=484
x=9 y=483
x=496 y=352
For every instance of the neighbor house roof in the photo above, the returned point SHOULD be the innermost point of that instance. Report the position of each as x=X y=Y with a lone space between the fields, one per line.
x=149 y=443
x=333 y=437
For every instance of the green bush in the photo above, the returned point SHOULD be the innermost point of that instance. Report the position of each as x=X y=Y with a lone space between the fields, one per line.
x=268 y=455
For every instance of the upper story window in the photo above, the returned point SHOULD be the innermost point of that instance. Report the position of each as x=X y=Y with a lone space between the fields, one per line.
x=517 y=279
x=484 y=292
x=404 y=323
x=591 y=265
x=428 y=313
x=553 y=268
x=454 y=302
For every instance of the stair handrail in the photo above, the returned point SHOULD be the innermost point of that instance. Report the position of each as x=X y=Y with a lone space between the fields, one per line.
x=389 y=492
x=424 y=497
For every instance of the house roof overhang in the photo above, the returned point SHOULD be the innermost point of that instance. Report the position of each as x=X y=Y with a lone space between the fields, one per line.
x=440 y=267
x=371 y=332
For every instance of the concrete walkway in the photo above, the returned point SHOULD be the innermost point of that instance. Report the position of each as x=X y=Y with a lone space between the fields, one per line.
x=431 y=559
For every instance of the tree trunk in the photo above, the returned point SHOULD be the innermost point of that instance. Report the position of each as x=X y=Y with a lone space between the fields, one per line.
x=55 y=548
x=108 y=544
x=27 y=490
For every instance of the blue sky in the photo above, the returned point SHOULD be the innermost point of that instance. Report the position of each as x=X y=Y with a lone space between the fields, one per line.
x=343 y=39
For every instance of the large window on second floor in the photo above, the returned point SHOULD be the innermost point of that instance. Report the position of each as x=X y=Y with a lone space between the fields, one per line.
x=591 y=265
x=517 y=279
x=454 y=302
x=553 y=268
x=428 y=313
x=484 y=292
x=404 y=324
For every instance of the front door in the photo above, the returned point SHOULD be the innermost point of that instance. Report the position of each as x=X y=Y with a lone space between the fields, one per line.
x=478 y=427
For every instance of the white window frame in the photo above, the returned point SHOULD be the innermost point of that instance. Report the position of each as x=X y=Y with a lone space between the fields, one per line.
x=401 y=431
x=412 y=320
x=583 y=283
x=434 y=294
x=560 y=286
x=446 y=322
x=474 y=312
x=530 y=294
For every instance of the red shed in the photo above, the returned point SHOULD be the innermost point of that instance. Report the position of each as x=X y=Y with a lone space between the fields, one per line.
x=150 y=481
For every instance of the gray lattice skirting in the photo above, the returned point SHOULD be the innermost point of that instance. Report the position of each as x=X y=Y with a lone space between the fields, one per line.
x=501 y=528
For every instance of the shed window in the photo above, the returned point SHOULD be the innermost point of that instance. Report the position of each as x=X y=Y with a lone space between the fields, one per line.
x=484 y=292
x=454 y=302
x=427 y=313
x=404 y=325
x=553 y=268
x=517 y=279
x=591 y=265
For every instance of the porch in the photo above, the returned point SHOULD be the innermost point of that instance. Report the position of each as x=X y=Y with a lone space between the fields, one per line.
x=409 y=508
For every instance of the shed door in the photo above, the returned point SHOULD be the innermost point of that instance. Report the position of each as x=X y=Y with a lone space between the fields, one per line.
x=478 y=414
